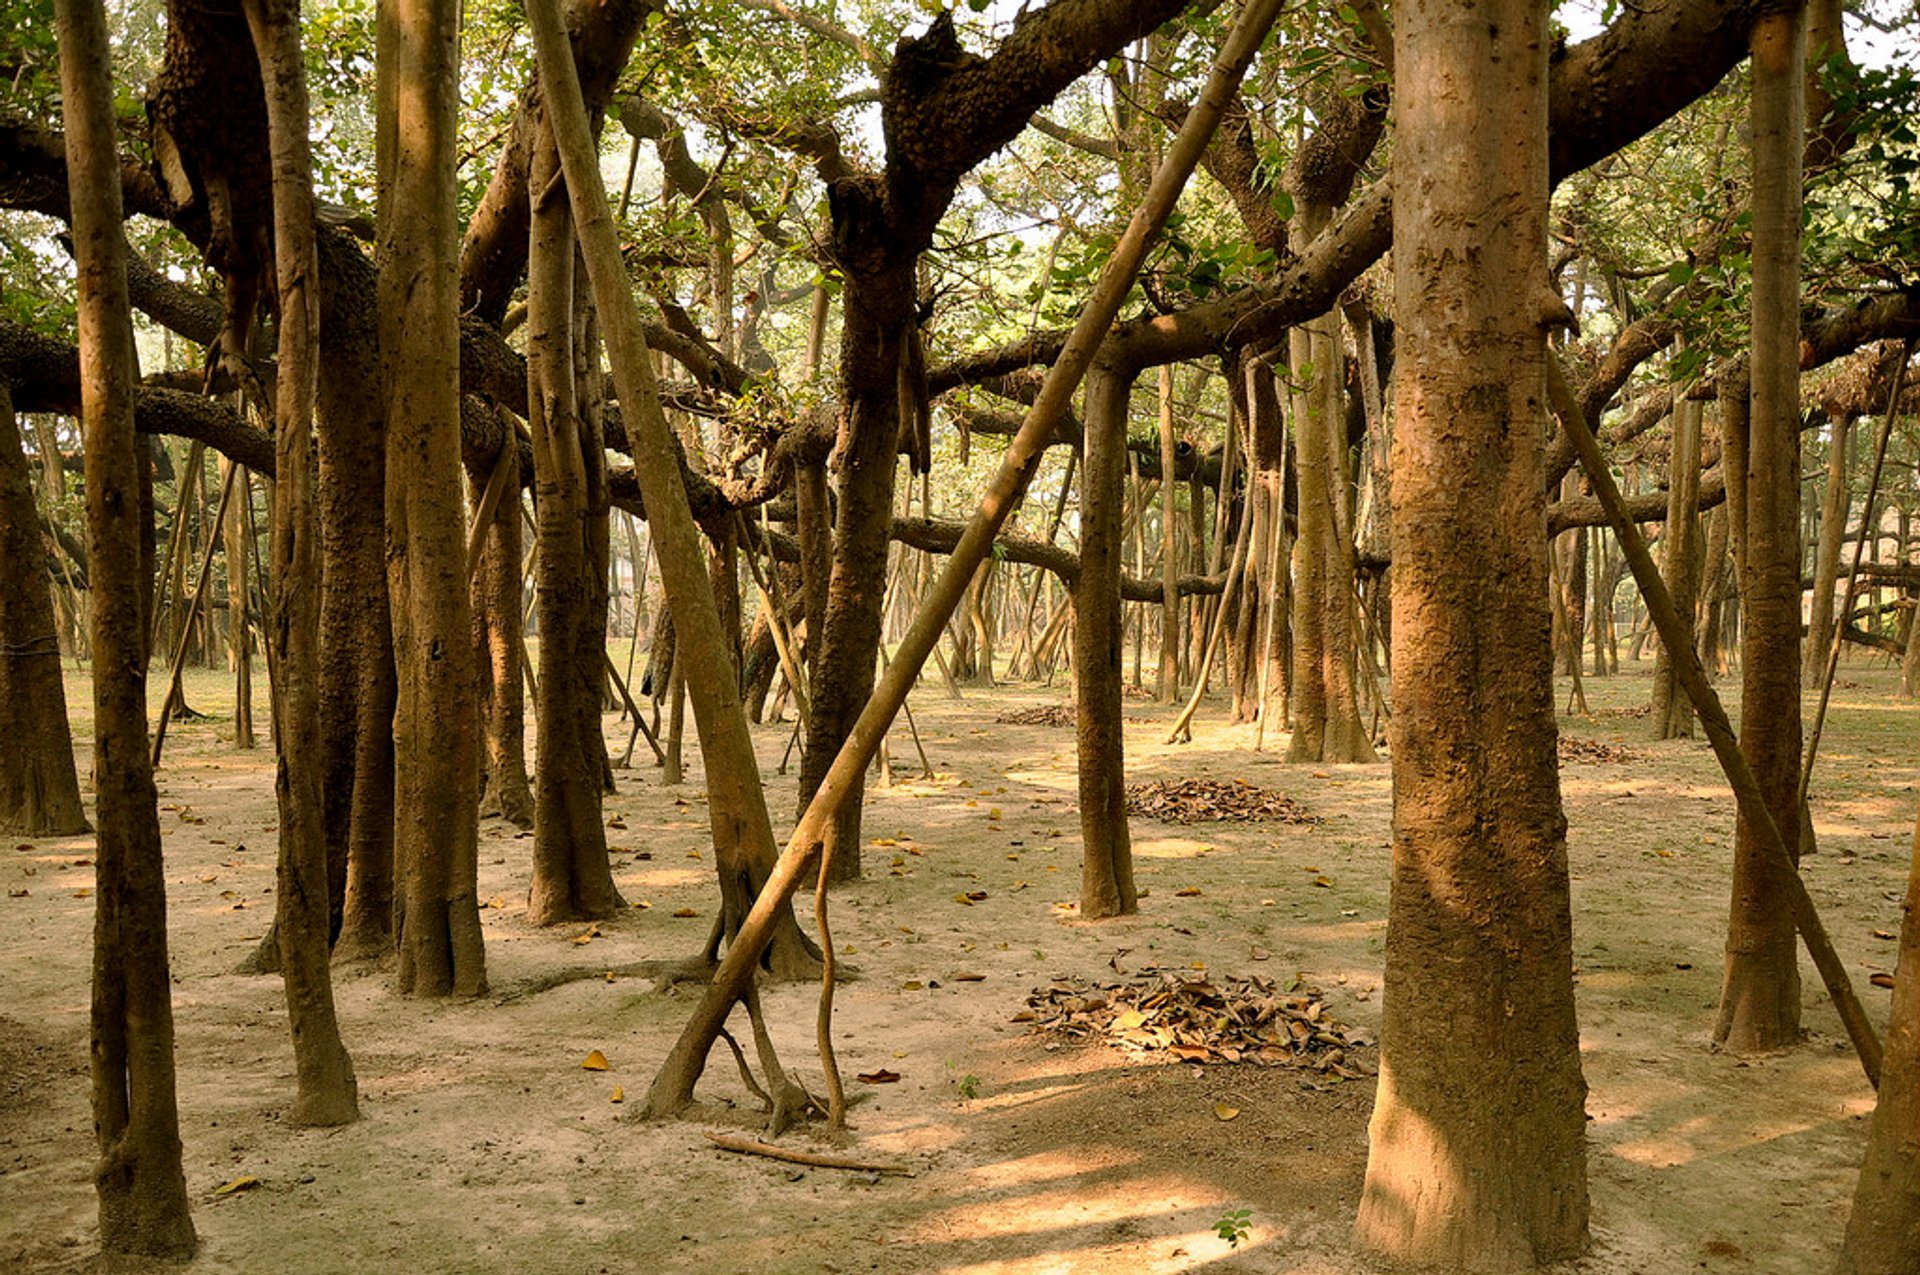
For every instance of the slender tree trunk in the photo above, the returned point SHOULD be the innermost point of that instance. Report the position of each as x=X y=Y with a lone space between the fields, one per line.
x=1478 y=1158
x=499 y=645
x=1760 y=998
x=742 y=829
x=572 y=879
x=1169 y=688
x=327 y=1093
x=141 y=1185
x=39 y=787
x=1106 y=865
x=1672 y=713
x=1883 y=1236
x=239 y=618
x=1826 y=554
x=436 y=818
x=1310 y=619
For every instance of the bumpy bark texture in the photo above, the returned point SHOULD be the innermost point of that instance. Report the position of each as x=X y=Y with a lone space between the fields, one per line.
x=435 y=728
x=39 y=788
x=1760 y=998
x=1883 y=1237
x=1478 y=1158
x=139 y=1178
x=572 y=879
x=1106 y=867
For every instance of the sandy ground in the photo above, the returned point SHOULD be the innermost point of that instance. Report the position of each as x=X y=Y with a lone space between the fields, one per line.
x=487 y=1148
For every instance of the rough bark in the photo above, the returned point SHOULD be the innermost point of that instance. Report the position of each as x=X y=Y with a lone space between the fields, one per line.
x=499 y=643
x=1883 y=1235
x=1477 y=1159
x=572 y=879
x=139 y=1178
x=1760 y=996
x=358 y=682
x=436 y=820
x=1681 y=557
x=741 y=827
x=39 y=787
x=1106 y=865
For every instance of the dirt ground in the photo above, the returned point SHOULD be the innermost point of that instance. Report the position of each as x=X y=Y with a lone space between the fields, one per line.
x=487 y=1148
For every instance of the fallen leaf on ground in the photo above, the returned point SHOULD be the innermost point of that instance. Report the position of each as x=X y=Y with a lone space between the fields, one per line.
x=1881 y=980
x=236 y=1186
x=619 y=1094
x=1223 y=1112
x=881 y=1077
x=595 y=1061
x=685 y=912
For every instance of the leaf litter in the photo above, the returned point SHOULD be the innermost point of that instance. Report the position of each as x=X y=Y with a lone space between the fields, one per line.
x=1166 y=1015
x=1213 y=801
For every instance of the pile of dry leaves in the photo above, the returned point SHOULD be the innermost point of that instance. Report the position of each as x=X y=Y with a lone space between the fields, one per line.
x=1039 y=715
x=1573 y=748
x=1181 y=1015
x=1212 y=801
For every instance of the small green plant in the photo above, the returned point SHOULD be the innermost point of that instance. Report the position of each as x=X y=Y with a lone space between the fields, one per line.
x=969 y=1086
x=1234 y=1226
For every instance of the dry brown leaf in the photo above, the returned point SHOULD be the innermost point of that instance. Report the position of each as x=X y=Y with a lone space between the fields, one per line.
x=685 y=912
x=881 y=1077
x=595 y=1061
x=1881 y=980
x=1222 y=1111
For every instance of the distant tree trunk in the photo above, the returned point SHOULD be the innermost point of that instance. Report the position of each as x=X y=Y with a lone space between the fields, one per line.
x=436 y=824
x=1883 y=1236
x=1760 y=997
x=1713 y=593
x=499 y=644
x=1826 y=554
x=239 y=640
x=1106 y=866
x=1672 y=712
x=327 y=1093
x=141 y=1185
x=39 y=787
x=572 y=879
x=1478 y=1156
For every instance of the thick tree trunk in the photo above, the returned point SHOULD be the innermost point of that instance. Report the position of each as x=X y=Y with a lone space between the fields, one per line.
x=1672 y=713
x=1106 y=865
x=572 y=879
x=326 y=1091
x=1478 y=1159
x=879 y=306
x=1883 y=1236
x=436 y=823
x=139 y=1178
x=1760 y=997
x=358 y=686
x=1310 y=655
x=39 y=787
